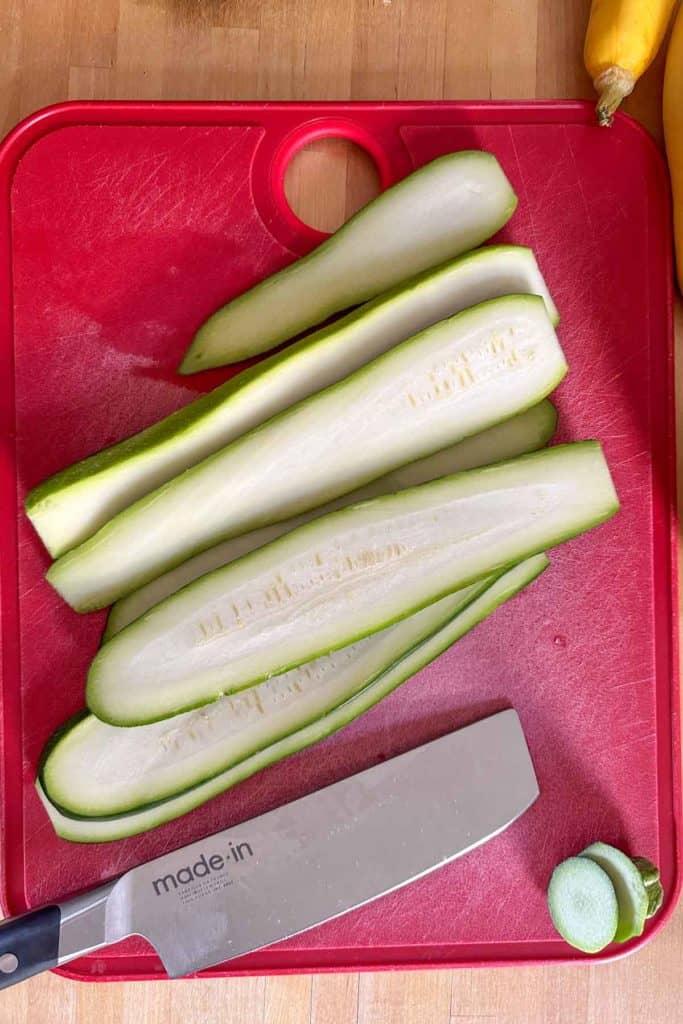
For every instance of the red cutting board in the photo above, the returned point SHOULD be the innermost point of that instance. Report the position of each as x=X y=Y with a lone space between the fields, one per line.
x=123 y=226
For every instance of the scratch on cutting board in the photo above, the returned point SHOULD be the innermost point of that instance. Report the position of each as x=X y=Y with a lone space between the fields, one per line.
x=30 y=836
x=527 y=204
x=649 y=737
x=579 y=182
x=630 y=458
x=642 y=681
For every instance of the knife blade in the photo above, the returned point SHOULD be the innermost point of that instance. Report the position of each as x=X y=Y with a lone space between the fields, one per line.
x=297 y=866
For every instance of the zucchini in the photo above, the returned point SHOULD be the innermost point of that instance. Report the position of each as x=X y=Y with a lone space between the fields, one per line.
x=94 y=769
x=344 y=576
x=632 y=895
x=73 y=504
x=105 y=829
x=652 y=881
x=449 y=206
x=452 y=380
x=525 y=432
x=583 y=904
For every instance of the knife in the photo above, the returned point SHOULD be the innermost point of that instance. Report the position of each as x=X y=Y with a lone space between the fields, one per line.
x=307 y=862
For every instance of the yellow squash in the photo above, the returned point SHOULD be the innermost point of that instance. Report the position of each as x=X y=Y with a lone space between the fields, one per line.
x=622 y=40
x=673 y=132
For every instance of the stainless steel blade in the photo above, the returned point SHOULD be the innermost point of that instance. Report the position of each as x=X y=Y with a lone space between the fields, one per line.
x=327 y=853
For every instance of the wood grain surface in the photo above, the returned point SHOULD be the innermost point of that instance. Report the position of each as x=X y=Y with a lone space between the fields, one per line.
x=53 y=50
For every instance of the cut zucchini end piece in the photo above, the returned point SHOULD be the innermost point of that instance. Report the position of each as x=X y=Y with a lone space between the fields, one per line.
x=137 y=693
x=194 y=359
x=88 y=831
x=583 y=904
x=205 y=351
x=549 y=411
x=111 y=627
x=649 y=873
x=54 y=577
x=632 y=895
x=37 y=512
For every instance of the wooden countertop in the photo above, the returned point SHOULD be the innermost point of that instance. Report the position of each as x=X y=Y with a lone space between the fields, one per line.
x=53 y=50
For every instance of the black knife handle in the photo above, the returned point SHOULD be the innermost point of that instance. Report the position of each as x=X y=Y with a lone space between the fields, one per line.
x=29 y=944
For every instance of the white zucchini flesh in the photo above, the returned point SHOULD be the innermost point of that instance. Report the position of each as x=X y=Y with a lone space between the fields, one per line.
x=96 y=769
x=449 y=206
x=342 y=577
x=106 y=829
x=73 y=504
x=526 y=432
x=456 y=378
x=583 y=904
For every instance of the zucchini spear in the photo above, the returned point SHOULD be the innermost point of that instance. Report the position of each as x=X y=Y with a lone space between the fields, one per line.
x=342 y=577
x=79 y=829
x=523 y=433
x=453 y=380
x=449 y=206
x=70 y=506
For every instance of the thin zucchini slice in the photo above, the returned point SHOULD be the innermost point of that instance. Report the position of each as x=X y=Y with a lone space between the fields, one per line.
x=449 y=206
x=456 y=378
x=344 y=576
x=583 y=904
x=97 y=770
x=632 y=895
x=73 y=504
x=105 y=829
x=525 y=432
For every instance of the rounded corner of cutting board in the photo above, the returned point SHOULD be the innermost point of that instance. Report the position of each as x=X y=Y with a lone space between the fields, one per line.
x=35 y=126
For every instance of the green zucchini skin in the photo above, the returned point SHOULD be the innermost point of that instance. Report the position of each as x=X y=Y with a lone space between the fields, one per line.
x=108 y=829
x=453 y=380
x=96 y=770
x=74 y=503
x=441 y=210
x=632 y=897
x=526 y=432
x=231 y=629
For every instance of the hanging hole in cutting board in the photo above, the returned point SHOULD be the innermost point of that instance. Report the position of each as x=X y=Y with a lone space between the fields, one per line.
x=328 y=180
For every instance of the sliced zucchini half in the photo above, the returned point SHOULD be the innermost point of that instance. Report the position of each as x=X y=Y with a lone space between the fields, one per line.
x=95 y=769
x=441 y=210
x=342 y=577
x=459 y=377
x=73 y=504
x=106 y=829
x=523 y=433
